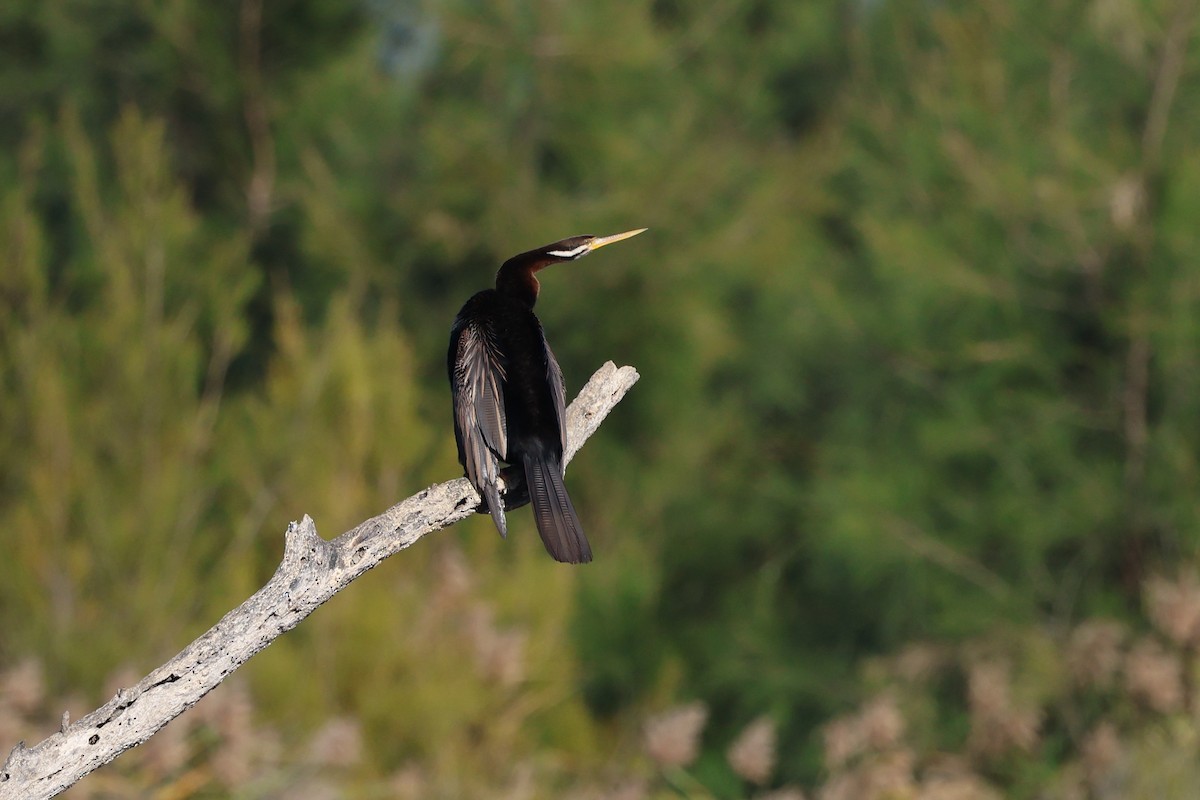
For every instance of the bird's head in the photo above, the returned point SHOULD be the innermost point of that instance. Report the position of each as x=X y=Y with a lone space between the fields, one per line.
x=579 y=246
x=516 y=276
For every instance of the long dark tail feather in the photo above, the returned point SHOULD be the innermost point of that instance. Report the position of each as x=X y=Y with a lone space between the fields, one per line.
x=491 y=496
x=556 y=520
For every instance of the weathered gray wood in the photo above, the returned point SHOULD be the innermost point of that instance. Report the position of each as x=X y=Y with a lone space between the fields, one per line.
x=312 y=571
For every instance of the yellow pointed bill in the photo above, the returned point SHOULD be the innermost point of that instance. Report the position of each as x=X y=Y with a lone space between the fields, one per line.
x=601 y=241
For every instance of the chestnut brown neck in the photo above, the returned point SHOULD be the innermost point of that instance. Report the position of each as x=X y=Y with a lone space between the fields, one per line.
x=516 y=276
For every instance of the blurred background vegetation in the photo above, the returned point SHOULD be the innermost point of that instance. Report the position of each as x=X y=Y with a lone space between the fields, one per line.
x=904 y=506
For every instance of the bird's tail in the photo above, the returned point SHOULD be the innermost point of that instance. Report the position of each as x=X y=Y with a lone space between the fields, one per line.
x=556 y=520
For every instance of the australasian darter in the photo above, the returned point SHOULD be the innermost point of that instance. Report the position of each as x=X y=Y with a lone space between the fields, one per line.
x=509 y=399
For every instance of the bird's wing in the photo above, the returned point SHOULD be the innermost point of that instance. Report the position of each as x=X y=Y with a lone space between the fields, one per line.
x=558 y=392
x=479 y=372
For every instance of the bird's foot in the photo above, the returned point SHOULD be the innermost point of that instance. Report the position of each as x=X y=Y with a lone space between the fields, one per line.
x=516 y=491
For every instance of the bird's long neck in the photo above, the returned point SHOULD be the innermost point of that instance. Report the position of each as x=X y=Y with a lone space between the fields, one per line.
x=516 y=276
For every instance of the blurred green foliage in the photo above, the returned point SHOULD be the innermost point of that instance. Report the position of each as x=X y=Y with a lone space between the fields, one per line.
x=917 y=322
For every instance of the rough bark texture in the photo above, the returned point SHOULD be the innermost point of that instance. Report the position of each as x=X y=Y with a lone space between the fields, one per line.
x=312 y=571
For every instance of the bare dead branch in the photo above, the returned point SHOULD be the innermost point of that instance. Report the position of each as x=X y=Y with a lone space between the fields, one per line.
x=312 y=571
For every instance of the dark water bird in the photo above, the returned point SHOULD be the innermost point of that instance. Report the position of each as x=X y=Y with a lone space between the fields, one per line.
x=509 y=400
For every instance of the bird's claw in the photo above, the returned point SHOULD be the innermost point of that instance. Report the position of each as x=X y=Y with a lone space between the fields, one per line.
x=515 y=492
